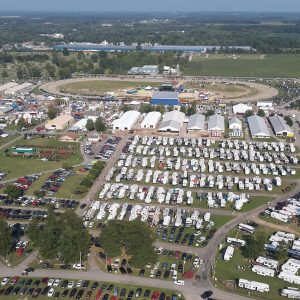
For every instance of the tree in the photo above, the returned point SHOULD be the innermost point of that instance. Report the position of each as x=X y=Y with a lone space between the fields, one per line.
x=100 y=125
x=66 y=52
x=210 y=112
x=63 y=237
x=261 y=113
x=253 y=248
x=281 y=251
x=4 y=74
x=289 y=120
x=12 y=192
x=38 y=194
x=191 y=110
x=248 y=113
x=135 y=238
x=90 y=126
x=52 y=112
x=22 y=123
x=6 y=245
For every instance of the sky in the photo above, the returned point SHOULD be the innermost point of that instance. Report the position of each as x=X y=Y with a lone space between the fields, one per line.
x=151 y=5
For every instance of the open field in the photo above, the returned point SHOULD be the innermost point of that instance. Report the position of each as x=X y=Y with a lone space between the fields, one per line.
x=229 y=271
x=245 y=65
x=18 y=166
x=99 y=87
x=218 y=90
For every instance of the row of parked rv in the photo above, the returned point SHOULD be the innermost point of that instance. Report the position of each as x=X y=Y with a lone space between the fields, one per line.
x=147 y=194
x=205 y=142
x=204 y=166
x=186 y=179
x=213 y=153
x=285 y=213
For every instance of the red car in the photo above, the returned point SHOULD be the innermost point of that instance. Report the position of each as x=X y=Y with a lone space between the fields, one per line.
x=99 y=294
x=177 y=254
x=155 y=295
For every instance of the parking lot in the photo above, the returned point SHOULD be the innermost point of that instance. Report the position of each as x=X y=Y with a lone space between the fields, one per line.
x=45 y=288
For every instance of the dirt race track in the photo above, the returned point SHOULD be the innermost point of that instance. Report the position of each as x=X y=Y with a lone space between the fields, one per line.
x=262 y=92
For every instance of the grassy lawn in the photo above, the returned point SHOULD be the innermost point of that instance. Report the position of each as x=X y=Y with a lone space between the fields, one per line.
x=18 y=166
x=99 y=87
x=8 y=139
x=69 y=186
x=94 y=293
x=267 y=218
x=228 y=271
x=245 y=65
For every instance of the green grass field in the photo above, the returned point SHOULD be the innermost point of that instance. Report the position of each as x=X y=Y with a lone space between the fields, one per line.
x=99 y=87
x=17 y=166
x=245 y=65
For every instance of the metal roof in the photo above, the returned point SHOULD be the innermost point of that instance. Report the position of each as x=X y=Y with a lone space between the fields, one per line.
x=127 y=120
x=172 y=121
x=235 y=120
x=216 y=122
x=165 y=95
x=196 y=121
x=279 y=125
x=151 y=119
x=257 y=126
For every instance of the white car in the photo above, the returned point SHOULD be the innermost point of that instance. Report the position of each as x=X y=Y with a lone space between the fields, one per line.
x=179 y=282
x=57 y=282
x=78 y=266
x=51 y=281
x=79 y=283
x=5 y=281
x=201 y=239
x=197 y=233
x=71 y=284
x=51 y=292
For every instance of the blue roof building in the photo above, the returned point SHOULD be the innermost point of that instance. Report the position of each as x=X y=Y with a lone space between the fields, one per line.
x=165 y=98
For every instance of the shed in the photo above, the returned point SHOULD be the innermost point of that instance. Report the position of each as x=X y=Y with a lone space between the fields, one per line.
x=235 y=123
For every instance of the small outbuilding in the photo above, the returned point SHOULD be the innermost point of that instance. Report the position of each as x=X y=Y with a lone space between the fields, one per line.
x=235 y=123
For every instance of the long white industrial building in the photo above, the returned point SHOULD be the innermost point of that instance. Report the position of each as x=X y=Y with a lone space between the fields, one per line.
x=280 y=127
x=216 y=123
x=7 y=86
x=127 y=120
x=17 y=89
x=196 y=122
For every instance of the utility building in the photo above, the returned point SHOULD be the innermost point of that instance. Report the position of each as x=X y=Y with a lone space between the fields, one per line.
x=196 y=122
x=151 y=120
x=127 y=120
x=258 y=127
x=165 y=98
x=172 y=121
x=280 y=127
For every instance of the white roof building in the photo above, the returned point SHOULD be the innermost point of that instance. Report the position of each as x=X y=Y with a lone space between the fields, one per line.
x=235 y=123
x=7 y=86
x=127 y=120
x=291 y=293
x=280 y=127
x=151 y=120
x=264 y=271
x=172 y=121
x=196 y=122
x=258 y=127
x=241 y=108
x=254 y=285
x=216 y=123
